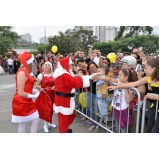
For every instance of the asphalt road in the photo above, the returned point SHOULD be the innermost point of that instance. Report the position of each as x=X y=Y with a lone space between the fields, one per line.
x=7 y=90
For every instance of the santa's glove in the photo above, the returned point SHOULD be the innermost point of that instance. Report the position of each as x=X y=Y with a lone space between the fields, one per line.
x=34 y=96
x=93 y=75
x=90 y=77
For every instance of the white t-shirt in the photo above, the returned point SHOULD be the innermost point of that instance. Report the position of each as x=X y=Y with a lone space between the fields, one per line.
x=40 y=76
x=10 y=61
x=119 y=101
x=96 y=60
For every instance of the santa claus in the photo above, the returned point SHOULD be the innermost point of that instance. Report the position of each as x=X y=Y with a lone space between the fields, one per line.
x=65 y=84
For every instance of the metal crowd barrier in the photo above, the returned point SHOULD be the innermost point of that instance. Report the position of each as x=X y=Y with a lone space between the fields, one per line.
x=144 y=111
x=110 y=125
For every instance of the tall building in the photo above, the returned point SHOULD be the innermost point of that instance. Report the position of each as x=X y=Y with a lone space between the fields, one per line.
x=89 y=27
x=155 y=30
x=106 y=33
x=44 y=40
x=25 y=39
x=85 y=27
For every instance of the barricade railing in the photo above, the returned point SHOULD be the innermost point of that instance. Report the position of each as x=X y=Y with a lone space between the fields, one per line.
x=144 y=111
x=94 y=112
x=138 y=107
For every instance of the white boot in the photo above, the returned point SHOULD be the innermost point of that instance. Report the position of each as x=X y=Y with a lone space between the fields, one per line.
x=52 y=125
x=45 y=127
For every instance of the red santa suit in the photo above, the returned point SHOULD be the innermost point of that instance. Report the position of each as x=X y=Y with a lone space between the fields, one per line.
x=65 y=84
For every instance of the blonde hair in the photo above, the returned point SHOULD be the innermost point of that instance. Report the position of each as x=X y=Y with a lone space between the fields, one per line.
x=51 y=69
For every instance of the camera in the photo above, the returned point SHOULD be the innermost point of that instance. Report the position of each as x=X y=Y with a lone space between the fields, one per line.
x=89 y=46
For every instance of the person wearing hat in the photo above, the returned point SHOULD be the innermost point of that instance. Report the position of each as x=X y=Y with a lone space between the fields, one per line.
x=45 y=83
x=23 y=107
x=64 y=88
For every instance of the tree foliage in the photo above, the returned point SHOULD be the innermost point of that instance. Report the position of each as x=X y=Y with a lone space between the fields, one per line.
x=148 y=43
x=72 y=40
x=131 y=31
x=8 y=38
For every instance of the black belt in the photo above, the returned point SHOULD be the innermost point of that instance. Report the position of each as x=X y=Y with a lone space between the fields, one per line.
x=64 y=94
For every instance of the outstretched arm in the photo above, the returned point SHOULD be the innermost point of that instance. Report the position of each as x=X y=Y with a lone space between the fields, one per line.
x=129 y=85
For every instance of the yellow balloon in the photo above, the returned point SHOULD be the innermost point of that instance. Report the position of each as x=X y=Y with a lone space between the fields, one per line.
x=110 y=107
x=112 y=57
x=54 y=49
x=83 y=100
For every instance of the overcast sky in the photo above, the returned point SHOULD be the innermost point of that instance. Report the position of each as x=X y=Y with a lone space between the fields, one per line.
x=39 y=31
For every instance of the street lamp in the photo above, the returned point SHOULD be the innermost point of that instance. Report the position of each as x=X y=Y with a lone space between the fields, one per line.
x=82 y=36
x=45 y=37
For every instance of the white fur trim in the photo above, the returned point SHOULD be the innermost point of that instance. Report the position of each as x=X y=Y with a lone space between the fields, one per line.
x=31 y=74
x=18 y=119
x=59 y=65
x=48 y=63
x=63 y=110
x=70 y=61
x=86 y=82
x=30 y=60
x=59 y=71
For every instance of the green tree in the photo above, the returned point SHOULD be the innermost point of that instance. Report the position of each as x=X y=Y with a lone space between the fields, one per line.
x=148 y=43
x=72 y=40
x=41 y=47
x=131 y=31
x=8 y=39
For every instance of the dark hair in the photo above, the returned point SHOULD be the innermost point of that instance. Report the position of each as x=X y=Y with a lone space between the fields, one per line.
x=87 y=60
x=139 y=60
x=80 y=60
x=109 y=62
x=90 y=64
x=132 y=75
x=81 y=70
x=154 y=62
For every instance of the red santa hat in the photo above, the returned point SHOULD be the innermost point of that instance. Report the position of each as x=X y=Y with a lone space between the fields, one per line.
x=48 y=62
x=26 y=58
x=65 y=62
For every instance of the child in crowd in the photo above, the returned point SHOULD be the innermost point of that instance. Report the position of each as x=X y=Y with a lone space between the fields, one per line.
x=121 y=101
x=81 y=72
x=152 y=78
x=101 y=93
x=115 y=71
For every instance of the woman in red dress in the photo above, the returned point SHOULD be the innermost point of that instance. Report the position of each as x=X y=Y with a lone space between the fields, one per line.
x=44 y=103
x=23 y=107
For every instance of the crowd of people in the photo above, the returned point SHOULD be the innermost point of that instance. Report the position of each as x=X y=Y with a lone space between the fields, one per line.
x=9 y=64
x=91 y=73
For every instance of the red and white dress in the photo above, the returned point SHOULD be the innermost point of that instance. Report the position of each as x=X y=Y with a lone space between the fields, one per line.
x=44 y=102
x=24 y=109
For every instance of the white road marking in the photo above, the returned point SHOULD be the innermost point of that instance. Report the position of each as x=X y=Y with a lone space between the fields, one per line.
x=8 y=86
x=6 y=110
